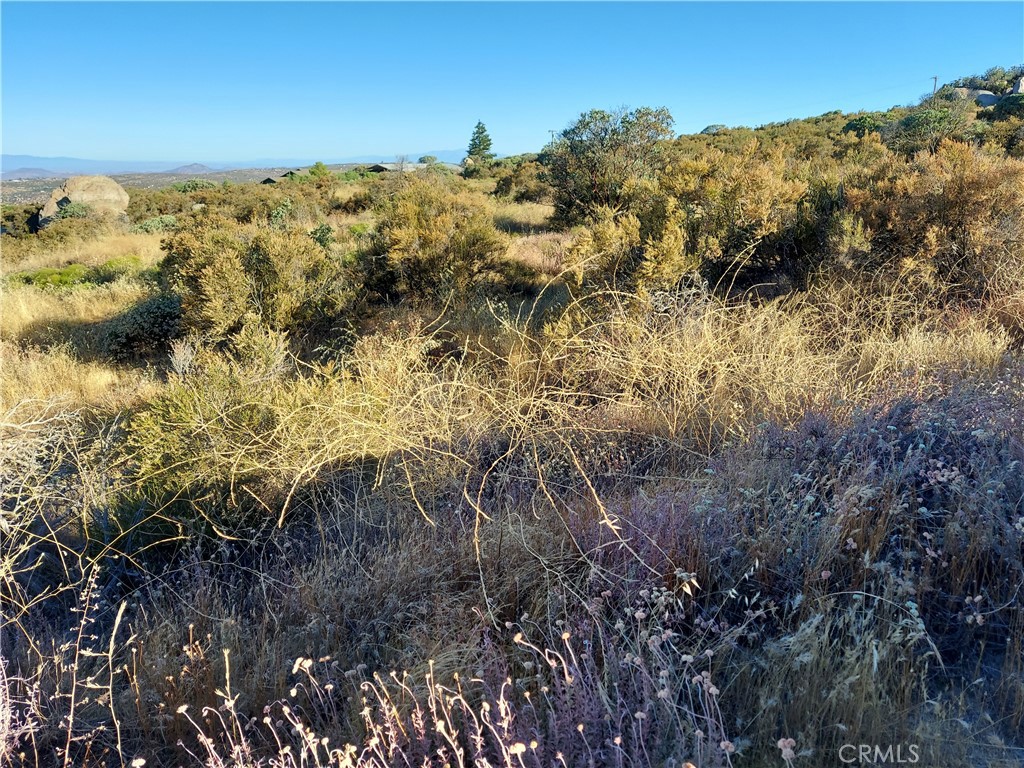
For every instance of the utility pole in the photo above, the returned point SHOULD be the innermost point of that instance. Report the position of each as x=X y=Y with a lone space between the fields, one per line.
x=935 y=84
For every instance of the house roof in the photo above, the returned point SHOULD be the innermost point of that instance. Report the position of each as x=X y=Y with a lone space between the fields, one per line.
x=379 y=167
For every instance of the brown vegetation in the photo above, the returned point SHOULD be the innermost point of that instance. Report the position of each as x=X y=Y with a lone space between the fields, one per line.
x=398 y=472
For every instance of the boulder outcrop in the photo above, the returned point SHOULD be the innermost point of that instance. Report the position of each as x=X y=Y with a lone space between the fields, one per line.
x=101 y=194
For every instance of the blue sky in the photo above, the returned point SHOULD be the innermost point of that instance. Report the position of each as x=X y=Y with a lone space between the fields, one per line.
x=236 y=81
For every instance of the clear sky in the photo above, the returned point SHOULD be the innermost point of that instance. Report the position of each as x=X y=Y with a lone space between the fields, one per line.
x=234 y=81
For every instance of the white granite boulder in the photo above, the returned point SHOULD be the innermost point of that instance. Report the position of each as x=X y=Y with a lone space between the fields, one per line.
x=101 y=194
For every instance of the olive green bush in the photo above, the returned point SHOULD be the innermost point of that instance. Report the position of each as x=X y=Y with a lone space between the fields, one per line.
x=431 y=240
x=524 y=183
x=946 y=221
x=145 y=329
x=228 y=274
x=592 y=163
x=19 y=220
x=194 y=185
x=162 y=223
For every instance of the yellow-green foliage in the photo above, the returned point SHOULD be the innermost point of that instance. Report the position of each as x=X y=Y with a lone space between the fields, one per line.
x=431 y=239
x=226 y=273
x=244 y=430
x=947 y=220
x=711 y=211
x=732 y=203
x=250 y=202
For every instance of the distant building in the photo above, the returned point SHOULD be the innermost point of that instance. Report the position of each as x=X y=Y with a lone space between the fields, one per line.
x=269 y=180
x=385 y=167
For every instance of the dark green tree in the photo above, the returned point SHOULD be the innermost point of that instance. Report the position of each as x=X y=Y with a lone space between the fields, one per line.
x=926 y=126
x=1010 y=106
x=594 y=161
x=480 y=144
x=862 y=125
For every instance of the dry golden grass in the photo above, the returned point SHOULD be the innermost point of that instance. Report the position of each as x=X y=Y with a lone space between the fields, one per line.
x=543 y=253
x=51 y=344
x=91 y=252
x=33 y=381
x=525 y=218
x=42 y=317
x=701 y=374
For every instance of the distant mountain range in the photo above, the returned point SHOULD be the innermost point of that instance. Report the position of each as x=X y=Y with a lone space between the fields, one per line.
x=35 y=167
x=29 y=173
x=11 y=165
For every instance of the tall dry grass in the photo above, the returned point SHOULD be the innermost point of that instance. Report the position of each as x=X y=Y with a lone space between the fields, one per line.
x=30 y=254
x=44 y=316
x=543 y=253
x=654 y=498
x=524 y=218
x=33 y=379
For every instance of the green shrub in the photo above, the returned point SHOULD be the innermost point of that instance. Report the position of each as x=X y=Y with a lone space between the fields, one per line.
x=593 y=163
x=356 y=174
x=1015 y=144
x=116 y=268
x=19 y=220
x=162 y=223
x=194 y=185
x=50 y=277
x=1009 y=106
x=928 y=125
x=74 y=211
x=862 y=125
x=322 y=235
x=524 y=184
x=145 y=329
x=280 y=215
x=226 y=274
x=320 y=171
x=144 y=204
x=430 y=240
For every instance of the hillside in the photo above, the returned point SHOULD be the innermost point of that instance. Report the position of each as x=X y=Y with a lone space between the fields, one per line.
x=644 y=449
x=28 y=173
x=193 y=169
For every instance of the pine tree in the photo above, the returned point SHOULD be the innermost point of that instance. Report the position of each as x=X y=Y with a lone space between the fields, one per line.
x=480 y=144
